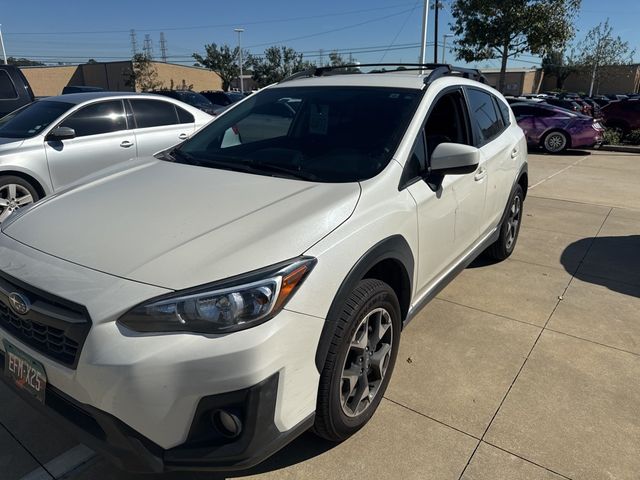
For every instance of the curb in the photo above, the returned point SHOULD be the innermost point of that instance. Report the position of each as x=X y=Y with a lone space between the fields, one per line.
x=620 y=148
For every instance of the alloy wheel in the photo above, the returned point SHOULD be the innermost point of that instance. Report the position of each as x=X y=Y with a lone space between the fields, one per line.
x=13 y=197
x=555 y=142
x=513 y=220
x=367 y=362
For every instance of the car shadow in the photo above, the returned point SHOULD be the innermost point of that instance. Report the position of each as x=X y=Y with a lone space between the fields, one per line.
x=612 y=262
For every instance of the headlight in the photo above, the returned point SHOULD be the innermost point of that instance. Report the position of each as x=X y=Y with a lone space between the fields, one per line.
x=228 y=306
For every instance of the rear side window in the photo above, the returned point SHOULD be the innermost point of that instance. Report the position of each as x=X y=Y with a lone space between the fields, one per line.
x=97 y=118
x=7 y=89
x=154 y=113
x=484 y=116
x=184 y=116
x=504 y=111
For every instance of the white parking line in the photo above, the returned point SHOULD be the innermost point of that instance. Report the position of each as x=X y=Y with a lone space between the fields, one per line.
x=63 y=464
x=559 y=172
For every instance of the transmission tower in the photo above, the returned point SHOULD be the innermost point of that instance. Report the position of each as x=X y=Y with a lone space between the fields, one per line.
x=163 y=47
x=148 y=47
x=134 y=42
x=321 y=57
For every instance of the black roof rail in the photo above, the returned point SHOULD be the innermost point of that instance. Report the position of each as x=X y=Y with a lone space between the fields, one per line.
x=438 y=70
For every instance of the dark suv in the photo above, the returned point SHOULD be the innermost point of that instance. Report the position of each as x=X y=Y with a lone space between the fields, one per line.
x=14 y=89
x=622 y=114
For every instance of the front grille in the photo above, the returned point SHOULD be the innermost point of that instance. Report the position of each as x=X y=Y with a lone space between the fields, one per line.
x=48 y=340
x=53 y=326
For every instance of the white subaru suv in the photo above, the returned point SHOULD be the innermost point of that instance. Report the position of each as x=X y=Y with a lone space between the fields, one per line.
x=201 y=308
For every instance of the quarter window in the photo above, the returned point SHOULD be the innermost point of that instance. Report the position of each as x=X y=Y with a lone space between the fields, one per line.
x=154 y=113
x=97 y=118
x=7 y=89
x=484 y=115
x=184 y=116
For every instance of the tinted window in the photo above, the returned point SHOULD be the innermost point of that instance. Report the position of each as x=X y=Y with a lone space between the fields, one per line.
x=504 y=110
x=153 y=113
x=447 y=122
x=97 y=118
x=531 y=111
x=31 y=119
x=484 y=115
x=341 y=134
x=184 y=116
x=7 y=89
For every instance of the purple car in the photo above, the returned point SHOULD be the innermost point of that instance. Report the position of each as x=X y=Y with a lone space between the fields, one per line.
x=556 y=129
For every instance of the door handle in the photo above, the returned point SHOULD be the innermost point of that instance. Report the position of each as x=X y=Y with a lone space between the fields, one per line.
x=126 y=144
x=480 y=174
x=183 y=136
x=514 y=153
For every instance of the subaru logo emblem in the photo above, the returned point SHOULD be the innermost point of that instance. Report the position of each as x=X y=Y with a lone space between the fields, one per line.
x=19 y=303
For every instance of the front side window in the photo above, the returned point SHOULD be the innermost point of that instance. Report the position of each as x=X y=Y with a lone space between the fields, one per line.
x=97 y=118
x=324 y=134
x=32 y=119
x=153 y=113
x=7 y=88
x=484 y=115
x=447 y=122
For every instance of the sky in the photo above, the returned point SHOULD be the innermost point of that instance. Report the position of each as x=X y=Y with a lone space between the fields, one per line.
x=369 y=30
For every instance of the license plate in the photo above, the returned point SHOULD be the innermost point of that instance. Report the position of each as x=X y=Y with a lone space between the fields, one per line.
x=26 y=373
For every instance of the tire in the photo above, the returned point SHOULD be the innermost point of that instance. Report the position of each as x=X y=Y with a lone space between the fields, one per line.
x=510 y=228
x=15 y=193
x=373 y=305
x=555 y=142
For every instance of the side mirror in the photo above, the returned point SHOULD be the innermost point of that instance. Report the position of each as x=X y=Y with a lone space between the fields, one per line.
x=61 y=133
x=454 y=159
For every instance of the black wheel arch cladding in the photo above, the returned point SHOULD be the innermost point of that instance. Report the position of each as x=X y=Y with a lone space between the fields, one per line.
x=392 y=251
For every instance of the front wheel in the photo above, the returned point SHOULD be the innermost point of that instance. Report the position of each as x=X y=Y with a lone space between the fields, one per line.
x=360 y=360
x=15 y=193
x=555 y=142
x=510 y=227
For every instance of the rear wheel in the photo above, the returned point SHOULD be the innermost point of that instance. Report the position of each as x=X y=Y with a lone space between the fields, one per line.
x=555 y=142
x=510 y=227
x=360 y=360
x=15 y=193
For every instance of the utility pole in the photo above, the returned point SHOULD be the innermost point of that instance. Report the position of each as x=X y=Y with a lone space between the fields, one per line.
x=4 y=53
x=321 y=57
x=239 y=31
x=423 y=42
x=148 y=47
x=436 y=7
x=163 y=47
x=134 y=42
x=444 y=45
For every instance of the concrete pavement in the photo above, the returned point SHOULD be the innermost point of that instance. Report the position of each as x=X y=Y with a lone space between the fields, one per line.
x=526 y=369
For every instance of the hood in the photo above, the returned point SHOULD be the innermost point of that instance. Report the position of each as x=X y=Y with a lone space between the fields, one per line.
x=179 y=226
x=10 y=143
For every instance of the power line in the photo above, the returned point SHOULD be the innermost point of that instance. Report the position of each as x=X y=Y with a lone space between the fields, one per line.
x=221 y=25
x=404 y=24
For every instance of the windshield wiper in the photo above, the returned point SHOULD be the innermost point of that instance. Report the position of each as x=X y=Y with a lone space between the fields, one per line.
x=291 y=172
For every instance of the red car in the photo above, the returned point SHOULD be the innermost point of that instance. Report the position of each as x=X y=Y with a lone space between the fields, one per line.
x=622 y=114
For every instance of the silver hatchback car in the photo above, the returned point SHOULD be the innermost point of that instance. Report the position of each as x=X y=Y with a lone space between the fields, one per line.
x=53 y=142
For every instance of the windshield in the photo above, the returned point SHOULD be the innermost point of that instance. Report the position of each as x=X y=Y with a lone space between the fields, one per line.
x=323 y=134
x=32 y=119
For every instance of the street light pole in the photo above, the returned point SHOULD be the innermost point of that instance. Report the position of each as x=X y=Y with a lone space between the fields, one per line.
x=423 y=43
x=444 y=45
x=4 y=53
x=436 y=7
x=240 y=30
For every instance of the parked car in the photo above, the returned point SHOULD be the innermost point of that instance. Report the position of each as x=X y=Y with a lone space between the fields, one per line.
x=567 y=104
x=50 y=143
x=555 y=129
x=222 y=99
x=622 y=114
x=15 y=90
x=203 y=308
x=80 y=89
x=190 y=98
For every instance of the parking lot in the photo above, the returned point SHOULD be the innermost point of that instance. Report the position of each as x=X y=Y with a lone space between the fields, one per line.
x=526 y=369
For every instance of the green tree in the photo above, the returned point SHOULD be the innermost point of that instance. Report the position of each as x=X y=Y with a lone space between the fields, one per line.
x=23 y=62
x=560 y=64
x=91 y=61
x=223 y=60
x=601 y=48
x=488 y=29
x=144 y=76
x=276 y=64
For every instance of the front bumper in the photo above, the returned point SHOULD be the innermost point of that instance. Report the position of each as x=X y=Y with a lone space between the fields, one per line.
x=205 y=449
x=135 y=395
